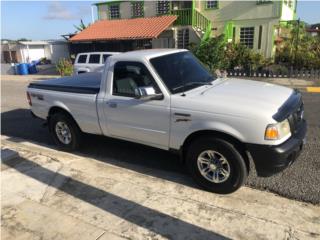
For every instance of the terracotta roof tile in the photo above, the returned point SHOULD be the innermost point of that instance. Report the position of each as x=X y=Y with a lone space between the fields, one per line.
x=125 y=29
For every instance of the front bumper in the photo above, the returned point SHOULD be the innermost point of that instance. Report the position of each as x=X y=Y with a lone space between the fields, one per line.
x=270 y=160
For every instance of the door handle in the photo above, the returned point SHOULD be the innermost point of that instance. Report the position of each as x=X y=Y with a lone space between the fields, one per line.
x=112 y=104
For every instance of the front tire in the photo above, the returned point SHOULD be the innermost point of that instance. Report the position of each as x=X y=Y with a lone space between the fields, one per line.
x=216 y=165
x=65 y=132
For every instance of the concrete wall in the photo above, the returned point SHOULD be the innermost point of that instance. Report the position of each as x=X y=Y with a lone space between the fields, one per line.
x=56 y=51
x=33 y=53
x=248 y=14
x=102 y=12
x=240 y=10
x=150 y=9
x=7 y=69
x=165 y=40
x=287 y=13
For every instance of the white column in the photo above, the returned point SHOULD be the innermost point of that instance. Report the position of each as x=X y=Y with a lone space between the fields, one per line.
x=92 y=14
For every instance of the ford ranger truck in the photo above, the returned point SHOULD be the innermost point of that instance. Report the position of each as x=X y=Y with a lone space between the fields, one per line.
x=165 y=98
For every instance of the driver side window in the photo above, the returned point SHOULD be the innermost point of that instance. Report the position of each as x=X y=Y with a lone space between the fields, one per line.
x=129 y=76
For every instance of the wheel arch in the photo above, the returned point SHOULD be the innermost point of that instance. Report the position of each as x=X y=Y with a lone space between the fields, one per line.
x=58 y=109
x=239 y=145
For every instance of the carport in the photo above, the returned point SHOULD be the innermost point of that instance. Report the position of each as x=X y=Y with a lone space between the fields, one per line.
x=125 y=35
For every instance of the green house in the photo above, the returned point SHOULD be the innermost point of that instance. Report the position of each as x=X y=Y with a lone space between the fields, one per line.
x=256 y=24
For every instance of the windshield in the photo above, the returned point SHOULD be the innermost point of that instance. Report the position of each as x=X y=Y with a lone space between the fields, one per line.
x=181 y=71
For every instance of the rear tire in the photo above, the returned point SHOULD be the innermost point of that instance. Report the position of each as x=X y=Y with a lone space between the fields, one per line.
x=216 y=165
x=65 y=132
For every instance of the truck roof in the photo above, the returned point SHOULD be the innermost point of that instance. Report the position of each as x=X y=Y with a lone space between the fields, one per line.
x=147 y=54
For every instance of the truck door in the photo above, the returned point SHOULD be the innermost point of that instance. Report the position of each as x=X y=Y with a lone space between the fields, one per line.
x=144 y=121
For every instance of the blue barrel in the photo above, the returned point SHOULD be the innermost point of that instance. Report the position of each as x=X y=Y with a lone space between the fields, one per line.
x=23 y=69
x=32 y=68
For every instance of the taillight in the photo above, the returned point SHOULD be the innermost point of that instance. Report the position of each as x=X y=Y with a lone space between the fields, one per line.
x=29 y=99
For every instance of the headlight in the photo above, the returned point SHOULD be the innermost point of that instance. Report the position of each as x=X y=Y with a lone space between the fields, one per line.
x=278 y=130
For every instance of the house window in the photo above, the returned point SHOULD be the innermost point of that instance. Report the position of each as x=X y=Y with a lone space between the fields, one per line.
x=234 y=34
x=263 y=1
x=163 y=7
x=137 y=9
x=289 y=3
x=247 y=36
x=183 y=38
x=211 y=4
x=260 y=37
x=114 y=11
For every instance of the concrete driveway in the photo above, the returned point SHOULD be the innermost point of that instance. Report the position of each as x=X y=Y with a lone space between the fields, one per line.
x=47 y=194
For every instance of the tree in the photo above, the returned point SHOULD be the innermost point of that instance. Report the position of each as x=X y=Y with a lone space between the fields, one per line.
x=299 y=50
x=81 y=26
x=23 y=40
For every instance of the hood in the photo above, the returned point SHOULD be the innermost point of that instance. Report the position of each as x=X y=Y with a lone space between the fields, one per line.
x=239 y=97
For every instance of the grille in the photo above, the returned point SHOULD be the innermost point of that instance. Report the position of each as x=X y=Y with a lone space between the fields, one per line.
x=296 y=118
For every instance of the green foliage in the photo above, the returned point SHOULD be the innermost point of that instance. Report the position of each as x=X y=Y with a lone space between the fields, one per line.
x=239 y=56
x=23 y=40
x=217 y=54
x=211 y=52
x=279 y=69
x=300 y=50
x=81 y=26
x=64 y=67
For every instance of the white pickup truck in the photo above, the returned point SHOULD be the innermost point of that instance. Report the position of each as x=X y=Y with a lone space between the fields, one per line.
x=168 y=100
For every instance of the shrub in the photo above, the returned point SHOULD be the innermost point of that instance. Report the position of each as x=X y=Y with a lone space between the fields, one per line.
x=239 y=56
x=300 y=50
x=278 y=69
x=64 y=67
x=211 y=52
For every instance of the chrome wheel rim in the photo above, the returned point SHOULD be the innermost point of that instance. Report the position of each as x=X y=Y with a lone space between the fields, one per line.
x=213 y=166
x=63 y=132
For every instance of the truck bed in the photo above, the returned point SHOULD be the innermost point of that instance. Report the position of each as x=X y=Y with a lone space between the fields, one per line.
x=86 y=83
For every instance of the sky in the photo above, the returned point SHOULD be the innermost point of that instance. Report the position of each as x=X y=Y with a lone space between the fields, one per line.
x=43 y=20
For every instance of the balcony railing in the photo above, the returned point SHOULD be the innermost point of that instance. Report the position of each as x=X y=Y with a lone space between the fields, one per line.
x=184 y=17
x=194 y=19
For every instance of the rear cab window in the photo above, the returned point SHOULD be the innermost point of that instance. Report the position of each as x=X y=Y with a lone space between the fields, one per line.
x=105 y=57
x=94 y=58
x=82 y=58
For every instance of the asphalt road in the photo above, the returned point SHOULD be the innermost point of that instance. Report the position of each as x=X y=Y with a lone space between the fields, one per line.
x=301 y=181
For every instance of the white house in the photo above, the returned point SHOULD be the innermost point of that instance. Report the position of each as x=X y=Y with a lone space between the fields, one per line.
x=28 y=51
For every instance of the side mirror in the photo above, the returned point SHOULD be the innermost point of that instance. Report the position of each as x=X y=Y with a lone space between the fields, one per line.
x=147 y=93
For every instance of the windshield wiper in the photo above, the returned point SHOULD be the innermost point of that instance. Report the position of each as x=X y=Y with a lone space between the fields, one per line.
x=192 y=83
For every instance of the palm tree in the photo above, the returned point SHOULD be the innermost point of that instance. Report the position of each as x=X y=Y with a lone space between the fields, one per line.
x=81 y=26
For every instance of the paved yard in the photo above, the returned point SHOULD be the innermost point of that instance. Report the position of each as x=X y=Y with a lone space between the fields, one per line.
x=47 y=194
x=300 y=181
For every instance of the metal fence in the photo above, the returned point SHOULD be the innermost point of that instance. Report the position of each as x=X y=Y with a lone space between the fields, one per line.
x=291 y=73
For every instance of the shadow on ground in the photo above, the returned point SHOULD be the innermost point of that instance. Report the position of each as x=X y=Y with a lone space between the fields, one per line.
x=300 y=181
x=150 y=219
x=120 y=153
